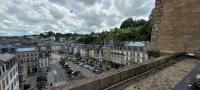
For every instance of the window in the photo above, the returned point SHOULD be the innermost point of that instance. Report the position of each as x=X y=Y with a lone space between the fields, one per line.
x=12 y=86
x=16 y=69
x=24 y=59
x=3 y=68
x=0 y=86
x=43 y=54
x=7 y=81
x=0 y=70
x=141 y=48
x=13 y=72
x=41 y=64
x=11 y=75
x=4 y=85
x=17 y=78
x=138 y=54
x=14 y=81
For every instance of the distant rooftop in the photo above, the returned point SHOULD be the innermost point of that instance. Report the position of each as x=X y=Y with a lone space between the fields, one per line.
x=6 y=46
x=136 y=43
x=5 y=57
x=25 y=49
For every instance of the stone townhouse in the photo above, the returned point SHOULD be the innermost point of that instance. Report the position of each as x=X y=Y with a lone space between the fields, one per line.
x=84 y=53
x=106 y=53
x=132 y=53
x=28 y=56
x=45 y=46
x=91 y=53
x=98 y=53
x=69 y=48
x=44 y=56
x=57 y=47
x=8 y=72
x=22 y=70
x=117 y=55
x=76 y=49
x=44 y=61
x=7 y=49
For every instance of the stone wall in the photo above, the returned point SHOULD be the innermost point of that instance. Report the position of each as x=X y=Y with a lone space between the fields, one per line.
x=176 y=26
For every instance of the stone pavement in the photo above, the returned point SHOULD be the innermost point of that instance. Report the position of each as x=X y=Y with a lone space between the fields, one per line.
x=167 y=78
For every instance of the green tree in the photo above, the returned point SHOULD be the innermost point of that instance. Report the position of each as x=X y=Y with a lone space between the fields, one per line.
x=127 y=23
x=76 y=73
x=50 y=33
x=78 y=55
x=140 y=23
x=62 y=63
x=145 y=32
x=42 y=35
x=87 y=39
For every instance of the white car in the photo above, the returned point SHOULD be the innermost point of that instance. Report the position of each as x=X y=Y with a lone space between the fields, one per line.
x=81 y=64
x=86 y=66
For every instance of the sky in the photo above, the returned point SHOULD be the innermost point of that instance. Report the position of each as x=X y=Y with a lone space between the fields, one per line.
x=26 y=17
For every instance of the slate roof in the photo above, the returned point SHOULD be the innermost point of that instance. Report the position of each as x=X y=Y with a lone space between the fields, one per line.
x=28 y=49
x=6 y=57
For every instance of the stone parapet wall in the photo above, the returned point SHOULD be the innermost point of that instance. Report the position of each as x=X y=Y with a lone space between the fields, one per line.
x=176 y=26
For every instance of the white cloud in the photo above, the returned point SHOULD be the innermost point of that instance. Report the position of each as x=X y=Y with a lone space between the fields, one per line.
x=19 y=17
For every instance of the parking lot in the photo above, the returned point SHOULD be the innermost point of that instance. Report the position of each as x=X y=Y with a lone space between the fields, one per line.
x=87 y=73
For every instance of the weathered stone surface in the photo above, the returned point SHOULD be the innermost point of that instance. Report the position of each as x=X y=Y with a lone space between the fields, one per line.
x=177 y=23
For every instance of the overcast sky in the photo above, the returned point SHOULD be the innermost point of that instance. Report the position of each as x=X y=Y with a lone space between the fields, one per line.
x=25 y=17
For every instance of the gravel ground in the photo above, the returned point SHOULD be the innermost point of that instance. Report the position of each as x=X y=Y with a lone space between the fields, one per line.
x=167 y=78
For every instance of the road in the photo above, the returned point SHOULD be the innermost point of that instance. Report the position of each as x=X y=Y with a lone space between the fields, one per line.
x=57 y=75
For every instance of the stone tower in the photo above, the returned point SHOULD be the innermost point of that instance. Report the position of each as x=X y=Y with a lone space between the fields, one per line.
x=176 y=26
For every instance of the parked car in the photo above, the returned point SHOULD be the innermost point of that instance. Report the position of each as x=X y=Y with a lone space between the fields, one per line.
x=86 y=66
x=77 y=62
x=81 y=64
x=98 y=71
x=92 y=68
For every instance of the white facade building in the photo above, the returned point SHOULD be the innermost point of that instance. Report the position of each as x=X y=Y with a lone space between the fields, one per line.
x=84 y=53
x=44 y=61
x=52 y=38
x=132 y=53
x=56 y=47
x=8 y=72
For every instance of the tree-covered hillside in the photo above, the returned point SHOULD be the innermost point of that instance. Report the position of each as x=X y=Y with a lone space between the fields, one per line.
x=129 y=30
